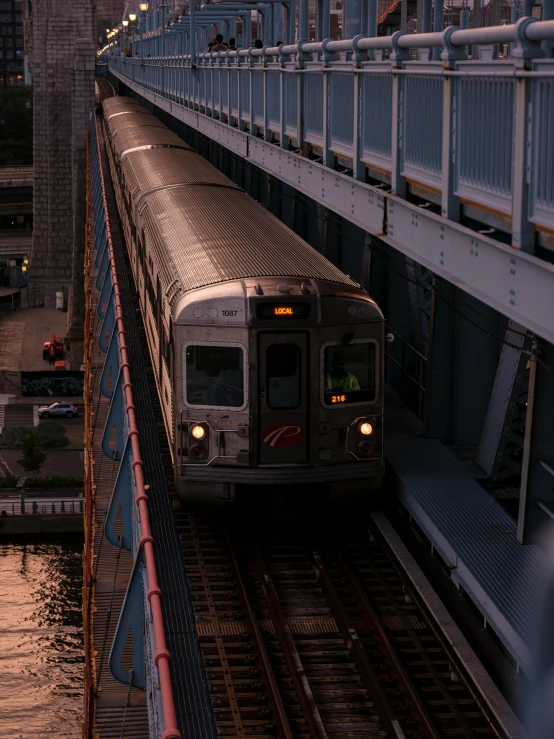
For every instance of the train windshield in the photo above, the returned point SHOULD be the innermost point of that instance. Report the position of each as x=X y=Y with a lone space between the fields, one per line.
x=215 y=375
x=349 y=373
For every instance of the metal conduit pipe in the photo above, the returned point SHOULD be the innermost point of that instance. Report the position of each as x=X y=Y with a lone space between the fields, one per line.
x=532 y=31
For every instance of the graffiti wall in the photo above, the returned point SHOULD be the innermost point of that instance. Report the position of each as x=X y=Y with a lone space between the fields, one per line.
x=54 y=384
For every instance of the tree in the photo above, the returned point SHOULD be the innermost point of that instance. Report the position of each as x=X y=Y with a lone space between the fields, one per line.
x=32 y=457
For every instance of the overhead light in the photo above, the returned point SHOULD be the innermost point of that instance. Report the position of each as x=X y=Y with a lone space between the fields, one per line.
x=132 y=17
x=125 y=23
x=143 y=7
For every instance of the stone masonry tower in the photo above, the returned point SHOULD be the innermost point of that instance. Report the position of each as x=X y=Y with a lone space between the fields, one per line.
x=62 y=65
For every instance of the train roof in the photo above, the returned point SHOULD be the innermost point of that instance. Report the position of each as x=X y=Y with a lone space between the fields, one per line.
x=117 y=104
x=151 y=169
x=128 y=118
x=204 y=234
x=144 y=136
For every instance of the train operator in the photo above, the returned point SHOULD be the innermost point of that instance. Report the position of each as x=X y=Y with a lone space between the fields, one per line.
x=340 y=379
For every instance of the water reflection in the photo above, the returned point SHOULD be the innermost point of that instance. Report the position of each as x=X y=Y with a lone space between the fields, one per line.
x=41 y=640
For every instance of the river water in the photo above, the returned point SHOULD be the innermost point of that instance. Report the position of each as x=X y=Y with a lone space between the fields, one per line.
x=41 y=638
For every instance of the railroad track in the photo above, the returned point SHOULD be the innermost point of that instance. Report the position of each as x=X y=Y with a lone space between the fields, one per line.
x=319 y=637
x=316 y=635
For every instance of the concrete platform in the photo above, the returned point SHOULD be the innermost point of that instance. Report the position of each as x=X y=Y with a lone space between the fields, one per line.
x=474 y=536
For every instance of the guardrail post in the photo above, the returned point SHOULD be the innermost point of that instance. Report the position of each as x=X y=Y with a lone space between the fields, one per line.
x=523 y=231
x=450 y=204
x=240 y=120
x=131 y=619
x=107 y=323
x=282 y=91
x=327 y=56
x=397 y=57
x=116 y=419
x=267 y=132
x=111 y=364
x=122 y=496
x=104 y=295
x=253 y=126
x=358 y=56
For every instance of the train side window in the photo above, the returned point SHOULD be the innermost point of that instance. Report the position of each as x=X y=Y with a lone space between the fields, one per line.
x=215 y=375
x=283 y=376
x=349 y=373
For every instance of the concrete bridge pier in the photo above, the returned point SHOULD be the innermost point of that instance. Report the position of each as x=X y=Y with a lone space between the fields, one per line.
x=63 y=67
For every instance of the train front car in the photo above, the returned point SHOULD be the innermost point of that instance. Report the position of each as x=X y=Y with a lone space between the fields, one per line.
x=281 y=383
x=268 y=359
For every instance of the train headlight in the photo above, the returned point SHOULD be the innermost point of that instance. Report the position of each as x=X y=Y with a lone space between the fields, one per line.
x=198 y=432
x=365 y=428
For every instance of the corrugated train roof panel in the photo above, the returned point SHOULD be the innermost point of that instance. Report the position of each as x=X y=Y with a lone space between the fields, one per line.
x=203 y=235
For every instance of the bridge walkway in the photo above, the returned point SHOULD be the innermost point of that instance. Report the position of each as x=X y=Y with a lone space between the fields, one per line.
x=112 y=568
x=115 y=703
x=474 y=536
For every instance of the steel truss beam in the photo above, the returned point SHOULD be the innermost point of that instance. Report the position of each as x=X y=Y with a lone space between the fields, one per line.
x=518 y=285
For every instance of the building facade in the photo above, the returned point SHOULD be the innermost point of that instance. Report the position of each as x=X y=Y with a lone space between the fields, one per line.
x=11 y=44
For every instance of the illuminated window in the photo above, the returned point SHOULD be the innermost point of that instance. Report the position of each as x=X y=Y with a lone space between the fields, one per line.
x=349 y=373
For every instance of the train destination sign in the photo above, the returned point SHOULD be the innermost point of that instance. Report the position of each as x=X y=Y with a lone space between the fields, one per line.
x=283 y=310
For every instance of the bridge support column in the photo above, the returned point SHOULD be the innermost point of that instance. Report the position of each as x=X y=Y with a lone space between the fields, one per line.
x=536 y=502
x=501 y=445
x=63 y=65
x=461 y=363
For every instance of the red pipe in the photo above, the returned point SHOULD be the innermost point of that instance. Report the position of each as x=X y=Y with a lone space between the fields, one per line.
x=162 y=657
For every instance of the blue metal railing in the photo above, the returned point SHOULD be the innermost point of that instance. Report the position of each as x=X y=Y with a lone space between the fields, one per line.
x=470 y=131
x=141 y=614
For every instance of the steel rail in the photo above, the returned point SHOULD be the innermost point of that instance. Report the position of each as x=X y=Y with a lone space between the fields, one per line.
x=253 y=625
x=398 y=668
x=218 y=636
x=162 y=657
x=369 y=677
x=302 y=685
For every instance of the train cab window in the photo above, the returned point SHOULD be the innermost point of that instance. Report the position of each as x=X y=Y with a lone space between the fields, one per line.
x=215 y=375
x=283 y=381
x=349 y=373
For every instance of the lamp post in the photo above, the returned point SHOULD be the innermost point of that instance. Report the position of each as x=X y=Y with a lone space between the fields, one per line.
x=124 y=23
x=133 y=19
x=143 y=8
x=162 y=8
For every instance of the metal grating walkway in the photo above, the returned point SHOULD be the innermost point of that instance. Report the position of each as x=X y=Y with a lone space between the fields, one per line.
x=470 y=530
x=192 y=698
x=111 y=695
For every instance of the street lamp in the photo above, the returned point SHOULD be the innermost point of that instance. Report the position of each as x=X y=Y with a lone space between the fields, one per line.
x=133 y=19
x=124 y=23
x=143 y=8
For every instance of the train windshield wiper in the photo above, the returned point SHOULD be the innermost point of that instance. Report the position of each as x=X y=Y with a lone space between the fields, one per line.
x=346 y=339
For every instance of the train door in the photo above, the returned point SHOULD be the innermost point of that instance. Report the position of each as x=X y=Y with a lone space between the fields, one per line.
x=284 y=398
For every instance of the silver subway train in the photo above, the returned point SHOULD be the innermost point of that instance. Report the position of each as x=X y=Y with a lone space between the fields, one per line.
x=268 y=359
